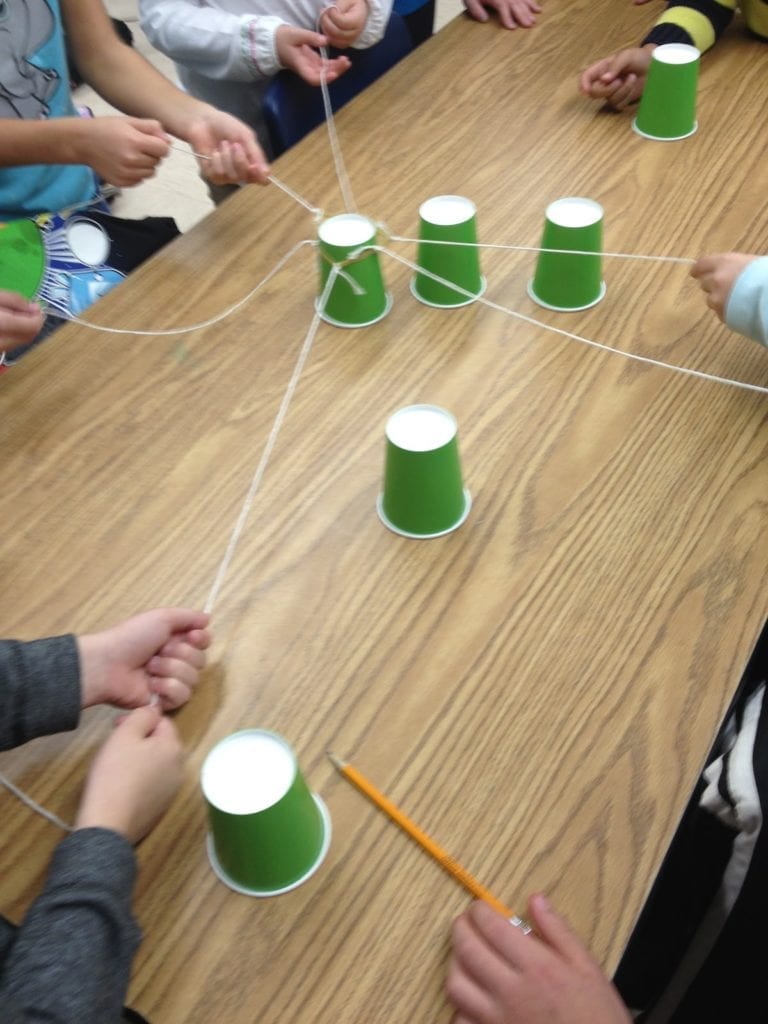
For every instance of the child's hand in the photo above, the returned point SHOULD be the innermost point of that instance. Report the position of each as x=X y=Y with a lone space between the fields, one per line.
x=511 y=12
x=122 y=150
x=20 y=321
x=343 y=22
x=134 y=776
x=160 y=652
x=618 y=80
x=717 y=274
x=297 y=51
x=232 y=154
x=499 y=975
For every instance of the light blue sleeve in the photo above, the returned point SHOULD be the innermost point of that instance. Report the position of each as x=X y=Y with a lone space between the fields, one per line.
x=747 y=308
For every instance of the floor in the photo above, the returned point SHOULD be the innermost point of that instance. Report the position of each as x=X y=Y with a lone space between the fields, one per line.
x=177 y=189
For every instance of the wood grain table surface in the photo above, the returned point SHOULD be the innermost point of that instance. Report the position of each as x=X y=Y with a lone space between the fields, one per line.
x=538 y=689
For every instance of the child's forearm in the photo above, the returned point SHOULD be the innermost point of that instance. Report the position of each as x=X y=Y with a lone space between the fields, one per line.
x=58 y=141
x=131 y=85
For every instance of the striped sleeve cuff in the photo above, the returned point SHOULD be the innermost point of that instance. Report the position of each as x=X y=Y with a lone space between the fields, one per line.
x=700 y=24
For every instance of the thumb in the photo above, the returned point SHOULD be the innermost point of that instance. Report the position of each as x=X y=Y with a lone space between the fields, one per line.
x=309 y=38
x=142 y=722
x=552 y=927
x=181 y=620
x=149 y=126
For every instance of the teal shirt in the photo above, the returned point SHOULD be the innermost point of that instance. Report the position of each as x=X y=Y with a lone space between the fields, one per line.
x=747 y=308
x=34 y=85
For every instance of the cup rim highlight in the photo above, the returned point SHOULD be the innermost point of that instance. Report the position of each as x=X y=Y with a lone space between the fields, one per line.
x=442 y=413
x=564 y=309
x=338 y=219
x=664 y=138
x=236 y=887
x=424 y=536
x=216 y=752
x=687 y=51
x=468 y=206
x=564 y=202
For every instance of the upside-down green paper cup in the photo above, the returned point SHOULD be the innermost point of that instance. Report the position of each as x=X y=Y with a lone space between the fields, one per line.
x=667 y=108
x=423 y=494
x=357 y=297
x=448 y=219
x=562 y=281
x=268 y=832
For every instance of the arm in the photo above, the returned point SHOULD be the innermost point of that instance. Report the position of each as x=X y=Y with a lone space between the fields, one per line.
x=71 y=956
x=378 y=12
x=214 y=43
x=70 y=959
x=44 y=683
x=618 y=80
x=699 y=23
x=499 y=975
x=39 y=689
x=123 y=78
x=736 y=286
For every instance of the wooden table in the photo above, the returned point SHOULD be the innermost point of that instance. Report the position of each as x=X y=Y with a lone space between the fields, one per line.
x=539 y=689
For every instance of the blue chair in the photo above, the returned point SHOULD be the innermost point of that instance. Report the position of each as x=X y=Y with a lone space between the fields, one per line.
x=292 y=108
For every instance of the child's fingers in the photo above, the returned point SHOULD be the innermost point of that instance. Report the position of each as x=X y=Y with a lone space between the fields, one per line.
x=173 y=693
x=624 y=94
x=173 y=668
x=477 y=10
x=178 y=649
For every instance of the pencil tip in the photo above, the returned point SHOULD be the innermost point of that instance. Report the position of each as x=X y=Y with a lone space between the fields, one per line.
x=335 y=761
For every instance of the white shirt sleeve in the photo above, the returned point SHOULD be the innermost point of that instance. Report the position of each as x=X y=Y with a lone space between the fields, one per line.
x=212 y=42
x=746 y=310
x=376 y=25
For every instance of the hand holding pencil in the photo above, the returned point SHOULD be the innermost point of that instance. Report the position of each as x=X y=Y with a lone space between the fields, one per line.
x=497 y=975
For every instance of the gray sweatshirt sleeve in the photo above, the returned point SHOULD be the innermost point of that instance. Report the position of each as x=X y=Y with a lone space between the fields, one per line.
x=39 y=688
x=70 y=960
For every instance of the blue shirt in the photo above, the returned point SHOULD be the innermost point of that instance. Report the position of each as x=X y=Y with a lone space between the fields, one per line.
x=34 y=85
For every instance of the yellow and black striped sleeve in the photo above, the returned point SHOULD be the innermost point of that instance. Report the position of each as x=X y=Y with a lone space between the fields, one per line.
x=702 y=22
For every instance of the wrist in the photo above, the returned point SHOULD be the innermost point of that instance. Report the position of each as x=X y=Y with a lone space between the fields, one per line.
x=184 y=118
x=93 y=671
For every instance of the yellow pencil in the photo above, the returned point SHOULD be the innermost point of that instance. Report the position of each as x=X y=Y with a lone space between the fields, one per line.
x=425 y=842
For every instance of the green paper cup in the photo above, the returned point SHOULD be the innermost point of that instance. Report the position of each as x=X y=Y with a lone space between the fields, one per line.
x=423 y=494
x=667 y=108
x=357 y=297
x=22 y=257
x=268 y=832
x=562 y=281
x=448 y=219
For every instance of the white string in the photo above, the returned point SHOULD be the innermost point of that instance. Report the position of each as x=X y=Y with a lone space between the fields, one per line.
x=333 y=138
x=536 y=248
x=271 y=440
x=700 y=374
x=203 y=323
x=316 y=211
x=49 y=815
